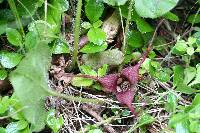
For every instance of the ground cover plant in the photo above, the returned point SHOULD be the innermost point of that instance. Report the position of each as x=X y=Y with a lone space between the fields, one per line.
x=95 y=66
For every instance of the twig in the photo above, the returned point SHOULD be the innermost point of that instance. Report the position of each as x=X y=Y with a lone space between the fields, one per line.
x=184 y=34
x=151 y=42
x=100 y=119
x=75 y=98
x=81 y=76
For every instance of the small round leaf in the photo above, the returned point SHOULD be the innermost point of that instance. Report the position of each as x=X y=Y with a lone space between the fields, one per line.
x=14 y=37
x=10 y=59
x=97 y=36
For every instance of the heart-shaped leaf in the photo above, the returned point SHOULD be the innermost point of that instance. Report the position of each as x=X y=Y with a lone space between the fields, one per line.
x=154 y=8
x=94 y=10
x=96 y=35
x=30 y=84
x=93 y=48
x=110 y=57
x=60 y=47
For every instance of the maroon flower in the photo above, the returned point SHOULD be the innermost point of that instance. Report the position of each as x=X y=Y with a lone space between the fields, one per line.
x=126 y=97
x=109 y=82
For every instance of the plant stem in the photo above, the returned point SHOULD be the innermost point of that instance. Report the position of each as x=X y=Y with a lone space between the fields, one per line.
x=125 y=31
x=124 y=46
x=74 y=98
x=14 y=10
x=76 y=33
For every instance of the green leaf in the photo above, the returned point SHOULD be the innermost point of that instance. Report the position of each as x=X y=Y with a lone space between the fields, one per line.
x=163 y=75
x=31 y=6
x=2 y=130
x=197 y=36
x=4 y=104
x=110 y=57
x=143 y=26
x=194 y=126
x=31 y=39
x=195 y=112
x=16 y=127
x=81 y=82
x=94 y=10
x=63 y=5
x=194 y=18
x=178 y=80
x=54 y=123
x=78 y=81
x=189 y=73
x=115 y=2
x=12 y=128
x=171 y=103
x=171 y=16
x=198 y=49
x=178 y=75
x=30 y=82
x=97 y=86
x=102 y=71
x=124 y=11
x=195 y=103
x=180 y=46
x=44 y=30
x=182 y=128
x=154 y=8
x=97 y=24
x=22 y=124
x=196 y=100
x=190 y=51
x=3 y=74
x=93 y=48
x=197 y=78
x=183 y=88
x=9 y=59
x=125 y=113
x=145 y=119
x=86 y=25
x=96 y=36
x=88 y=70
x=191 y=41
x=60 y=47
x=6 y=15
x=14 y=37
x=14 y=107
x=54 y=14
x=177 y=118
x=134 y=39
x=3 y=26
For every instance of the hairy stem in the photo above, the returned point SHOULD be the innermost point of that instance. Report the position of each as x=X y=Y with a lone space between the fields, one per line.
x=125 y=31
x=75 y=98
x=124 y=46
x=15 y=13
x=76 y=33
